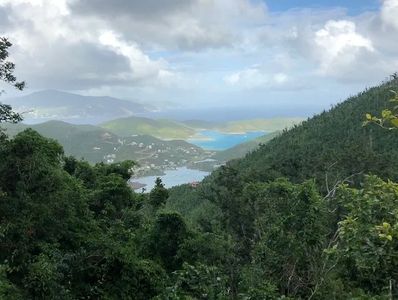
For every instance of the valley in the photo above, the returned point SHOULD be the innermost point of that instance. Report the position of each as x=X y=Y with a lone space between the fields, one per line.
x=95 y=144
x=158 y=146
x=153 y=155
x=116 y=130
x=198 y=150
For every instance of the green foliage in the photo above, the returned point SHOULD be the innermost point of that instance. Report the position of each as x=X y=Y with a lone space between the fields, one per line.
x=368 y=234
x=291 y=234
x=7 y=289
x=166 y=239
x=67 y=228
x=289 y=221
x=6 y=75
x=7 y=67
x=111 y=196
x=197 y=282
x=159 y=194
x=285 y=235
x=388 y=118
x=8 y=115
x=95 y=144
x=124 y=169
x=329 y=147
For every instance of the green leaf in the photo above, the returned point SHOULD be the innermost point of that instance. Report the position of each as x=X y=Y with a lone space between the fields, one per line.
x=386 y=113
x=394 y=122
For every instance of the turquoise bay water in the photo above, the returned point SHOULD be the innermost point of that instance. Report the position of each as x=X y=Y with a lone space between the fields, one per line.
x=215 y=141
x=173 y=177
x=221 y=141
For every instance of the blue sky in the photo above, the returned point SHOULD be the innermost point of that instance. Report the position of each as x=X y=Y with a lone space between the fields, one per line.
x=353 y=6
x=291 y=56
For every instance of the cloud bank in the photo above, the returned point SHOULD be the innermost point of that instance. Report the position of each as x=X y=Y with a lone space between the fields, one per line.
x=202 y=49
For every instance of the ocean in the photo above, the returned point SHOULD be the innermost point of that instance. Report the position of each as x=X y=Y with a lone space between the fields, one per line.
x=173 y=178
x=214 y=140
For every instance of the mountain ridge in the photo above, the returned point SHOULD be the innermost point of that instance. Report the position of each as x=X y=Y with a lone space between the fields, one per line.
x=329 y=147
x=54 y=104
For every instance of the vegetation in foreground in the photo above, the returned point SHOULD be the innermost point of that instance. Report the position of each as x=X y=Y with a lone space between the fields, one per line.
x=310 y=215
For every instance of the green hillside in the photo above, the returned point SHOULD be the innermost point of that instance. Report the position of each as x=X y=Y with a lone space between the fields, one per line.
x=301 y=217
x=200 y=124
x=96 y=144
x=315 y=232
x=332 y=144
x=164 y=129
x=307 y=212
x=267 y=125
x=59 y=105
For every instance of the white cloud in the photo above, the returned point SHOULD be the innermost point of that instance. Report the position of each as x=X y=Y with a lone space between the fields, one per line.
x=280 y=78
x=338 y=43
x=255 y=78
x=192 y=25
x=389 y=12
x=55 y=48
x=142 y=67
x=204 y=48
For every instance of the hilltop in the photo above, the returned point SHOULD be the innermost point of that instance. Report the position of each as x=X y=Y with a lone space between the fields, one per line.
x=310 y=210
x=333 y=143
x=266 y=125
x=161 y=128
x=59 y=105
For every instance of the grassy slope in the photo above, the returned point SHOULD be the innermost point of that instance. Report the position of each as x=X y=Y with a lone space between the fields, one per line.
x=200 y=124
x=267 y=125
x=166 y=129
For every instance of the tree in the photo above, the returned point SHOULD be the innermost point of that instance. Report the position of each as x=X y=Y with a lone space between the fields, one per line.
x=291 y=230
x=388 y=118
x=166 y=239
x=367 y=244
x=6 y=75
x=159 y=194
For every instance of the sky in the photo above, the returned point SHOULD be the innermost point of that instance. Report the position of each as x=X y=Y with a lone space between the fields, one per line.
x=288 y=55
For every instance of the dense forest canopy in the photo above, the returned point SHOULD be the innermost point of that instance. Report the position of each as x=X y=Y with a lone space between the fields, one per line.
x=312 y=214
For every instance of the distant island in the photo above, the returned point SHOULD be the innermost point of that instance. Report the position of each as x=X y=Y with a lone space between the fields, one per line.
x=117 y=132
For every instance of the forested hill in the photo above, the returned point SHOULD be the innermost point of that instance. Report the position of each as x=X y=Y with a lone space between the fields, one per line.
x=95 y=145
x=71 y=230
x=330 y=146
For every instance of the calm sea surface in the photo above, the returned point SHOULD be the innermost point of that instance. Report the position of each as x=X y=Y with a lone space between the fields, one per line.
x=173 y=177
x=221 y=141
